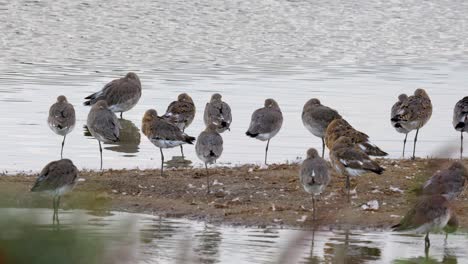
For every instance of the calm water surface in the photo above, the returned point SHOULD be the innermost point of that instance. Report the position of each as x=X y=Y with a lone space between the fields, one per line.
x=355 y=57
x=150 y=239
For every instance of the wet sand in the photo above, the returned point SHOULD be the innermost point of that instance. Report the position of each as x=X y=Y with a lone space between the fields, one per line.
x=246 y=195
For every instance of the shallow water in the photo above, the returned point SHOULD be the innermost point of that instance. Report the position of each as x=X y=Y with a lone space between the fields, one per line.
x=150 y=239
x=355 y=57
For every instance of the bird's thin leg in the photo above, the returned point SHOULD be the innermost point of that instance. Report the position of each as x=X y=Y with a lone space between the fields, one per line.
x=323 y=147
x=63 y=144
x=121 y=115
x=56 y=214
x=313 y=208
x=207 y=179
x=348 y=187
x=182 y=151
x=162 y=162
x=404 y=144
x=461 y=145
x=100 y=152
x=266 y=152
x=427 y=241
x=53 y=216
x=414 y=146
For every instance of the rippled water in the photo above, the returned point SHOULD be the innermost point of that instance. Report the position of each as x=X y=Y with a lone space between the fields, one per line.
x=150 y=239
x=355 y=56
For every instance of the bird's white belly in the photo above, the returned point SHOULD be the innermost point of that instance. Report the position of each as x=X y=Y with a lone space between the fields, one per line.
x=314 y=130
x=160 y=143
x=438 y=224
x=267 y=136
x=60 y=191
x=62 y=132
x=314 y=189
x=354 y=172
x=124 y=106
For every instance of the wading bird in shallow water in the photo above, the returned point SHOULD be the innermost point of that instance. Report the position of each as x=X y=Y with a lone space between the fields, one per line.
x=449 y=182
x=266 y=122
x=218 y=113
x=460 y=120
x=103 y=124
x=209 y=148
x=120 y=95
x=57 y=178
x=162 y=133
x=430 y=213
x=351 y=161
x=414 y=113
x=314 y=175
x=396 y=124
x=341 y=128
x=316 y=118
x=62 y=119
x=181 y=113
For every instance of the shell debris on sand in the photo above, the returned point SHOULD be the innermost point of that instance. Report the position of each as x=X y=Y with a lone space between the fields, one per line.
x=372 y=205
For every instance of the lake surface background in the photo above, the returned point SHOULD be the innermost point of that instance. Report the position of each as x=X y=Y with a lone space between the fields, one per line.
x=354 y=57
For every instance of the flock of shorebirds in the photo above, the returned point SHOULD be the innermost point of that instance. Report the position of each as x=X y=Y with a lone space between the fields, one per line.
x=350 y=149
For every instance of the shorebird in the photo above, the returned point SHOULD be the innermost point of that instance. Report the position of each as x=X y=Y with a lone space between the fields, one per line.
x=314 y=175
x=340 y=127
x=181 y=113
x=209 y=148
x=350 y=160
x=460 y=120
x=103 y=124
x=162 y=133
x=121 y=94
x=218 y=112
x=449 y=182
x=316 y=118
x=414 y=113
x=396 y=124
x=56 y=179
x=430 y=213
x=62 y=118
x=266 y=122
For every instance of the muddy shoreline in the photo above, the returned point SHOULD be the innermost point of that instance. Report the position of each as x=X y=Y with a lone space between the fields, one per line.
x=246 y=195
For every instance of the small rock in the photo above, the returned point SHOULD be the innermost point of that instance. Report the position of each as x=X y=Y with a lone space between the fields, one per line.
x=114 y=191
x=370 y=206
x=395 y=189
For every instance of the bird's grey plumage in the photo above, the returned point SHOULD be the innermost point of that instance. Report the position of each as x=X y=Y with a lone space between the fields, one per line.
x=56 y=178
x=209 y=146
x=395 y=112
x=460 y=119
x=61 y=116
x=449 y=182
x=121 y=94
x=415 y=111
x=103 y=123
x=316 y=117
x=314 y=174
x=265 y=123
x=218 y=112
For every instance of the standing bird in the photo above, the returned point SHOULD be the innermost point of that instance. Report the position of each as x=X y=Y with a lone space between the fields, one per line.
x=121 y=94
x=460 y=120
x=181 y=113
x=340 y=127
x=314 y=175
x=103 y=124
x=209 y=148
x=62 y=118
x=316 y=118
x=57 y=178
x=430 y=213
x=162 y=133
x=396 y=124
x=414 y=113
x=350 y=160
x=449 y=182
x=219 y=113
x=266 y=122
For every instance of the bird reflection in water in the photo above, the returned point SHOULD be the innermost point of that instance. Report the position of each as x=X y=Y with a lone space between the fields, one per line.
x=349 y=250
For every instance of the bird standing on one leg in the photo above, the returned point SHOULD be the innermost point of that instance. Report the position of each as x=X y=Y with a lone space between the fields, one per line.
x=314 y=175
x=163 y=134
x=57 y=178
x=266 y=122
x=414 y=113
x=181 y=113
x=449 y=181
x=316 y=118
x=121 y=95
x=209 y=148
x=350 y=160
x=460 y=120
x=396 y=124
x=62 y=119
x=103 y=124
